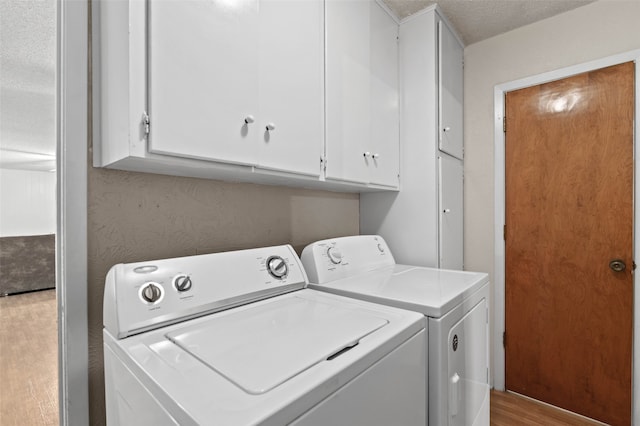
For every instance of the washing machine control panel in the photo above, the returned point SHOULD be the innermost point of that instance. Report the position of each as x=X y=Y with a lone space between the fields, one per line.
x=146 y=295
x=334 y=259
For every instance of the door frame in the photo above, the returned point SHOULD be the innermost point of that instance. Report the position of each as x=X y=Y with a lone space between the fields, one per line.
x=499 y=212
x=71 y=230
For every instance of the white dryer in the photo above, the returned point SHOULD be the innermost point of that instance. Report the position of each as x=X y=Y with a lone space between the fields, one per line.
x=455 y=304
x=235 y=339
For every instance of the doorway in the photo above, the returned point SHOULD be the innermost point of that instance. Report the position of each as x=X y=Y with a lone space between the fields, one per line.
x=28 y=305
x=71 y=95
x=500 y=219
x=569 y=228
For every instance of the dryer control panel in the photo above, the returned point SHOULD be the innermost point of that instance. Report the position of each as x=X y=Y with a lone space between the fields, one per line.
x=146 y=295
x=337 y=258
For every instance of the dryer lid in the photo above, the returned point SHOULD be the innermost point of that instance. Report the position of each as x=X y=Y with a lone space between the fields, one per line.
x=263 y=346
x=432 y=292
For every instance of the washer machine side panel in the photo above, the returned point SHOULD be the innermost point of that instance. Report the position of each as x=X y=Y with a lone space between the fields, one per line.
x=392 y=391
x=128 y=402
x=459 y=363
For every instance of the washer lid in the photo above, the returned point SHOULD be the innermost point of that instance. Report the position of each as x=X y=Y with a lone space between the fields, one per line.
x=259 y=348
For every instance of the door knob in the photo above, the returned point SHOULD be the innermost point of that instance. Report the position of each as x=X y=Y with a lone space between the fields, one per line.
x=617 y=265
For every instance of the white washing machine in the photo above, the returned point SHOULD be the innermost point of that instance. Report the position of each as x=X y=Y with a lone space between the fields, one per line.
x=235 y=339
x=455 y=304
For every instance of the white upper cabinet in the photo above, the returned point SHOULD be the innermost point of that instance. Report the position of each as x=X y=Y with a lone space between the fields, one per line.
x=348 y=129
x=291 y=86
x=450 y=76
x=362 y=122
x=385 y=119
x=238 y=82
x=203 y=79
x=285 y=92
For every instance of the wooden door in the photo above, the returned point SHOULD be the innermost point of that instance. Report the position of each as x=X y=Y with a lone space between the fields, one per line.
x=569 y=213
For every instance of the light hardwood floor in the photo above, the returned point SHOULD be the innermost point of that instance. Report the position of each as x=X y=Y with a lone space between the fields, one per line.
x=508 y=409
x=29 y=359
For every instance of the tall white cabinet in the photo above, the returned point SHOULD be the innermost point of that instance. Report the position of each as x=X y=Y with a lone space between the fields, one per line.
x=423 y=223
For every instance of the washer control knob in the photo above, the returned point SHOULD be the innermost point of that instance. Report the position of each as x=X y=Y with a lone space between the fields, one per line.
x=335 y=255
x=381 y=248
x=277 y=267
x=151 y=292
x=182 y=283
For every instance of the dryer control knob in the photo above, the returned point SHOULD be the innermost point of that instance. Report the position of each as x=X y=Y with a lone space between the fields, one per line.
x=151 y=292
x=335 y=255
x=277 y=267
x=182 y=283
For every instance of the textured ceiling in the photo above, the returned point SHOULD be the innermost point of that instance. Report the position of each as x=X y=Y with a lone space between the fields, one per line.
x=476 y=20
x=28 y=83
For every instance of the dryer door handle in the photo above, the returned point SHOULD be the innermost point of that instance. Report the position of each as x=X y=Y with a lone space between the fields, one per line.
x=453 y=394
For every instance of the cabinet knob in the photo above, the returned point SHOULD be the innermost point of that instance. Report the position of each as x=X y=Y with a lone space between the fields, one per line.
x=367 y=154
x=376 y=155
x=446 y=129
x=446 y=211
x=271 y=126
x=249 y=119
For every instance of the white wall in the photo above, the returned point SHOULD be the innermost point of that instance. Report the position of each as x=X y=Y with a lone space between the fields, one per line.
x=27 y=202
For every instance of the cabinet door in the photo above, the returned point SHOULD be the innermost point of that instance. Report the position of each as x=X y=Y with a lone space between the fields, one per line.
x=291 y=52
x=203 y=74
x=348 y=98
x=385 y=121
x=450 y=188
x=450 y=74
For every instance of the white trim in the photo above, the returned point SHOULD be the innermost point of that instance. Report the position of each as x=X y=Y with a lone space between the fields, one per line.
x=635 y=396
x=442 y=17
x=499 y=249
x=386 y=8
x=499 y=214
x=419 y=13
x=71 y=233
